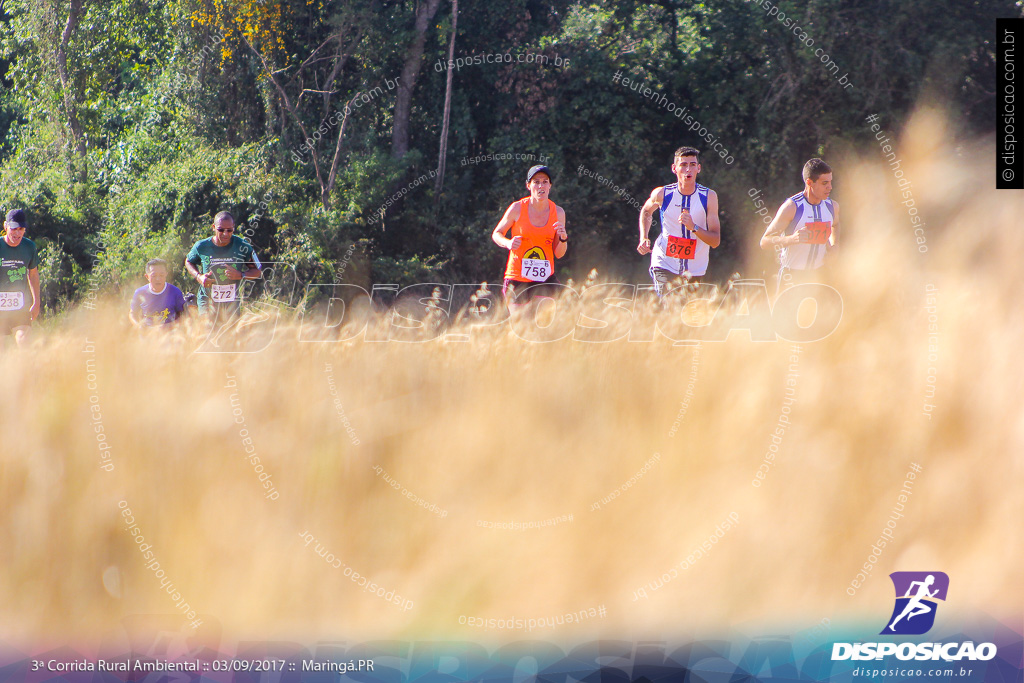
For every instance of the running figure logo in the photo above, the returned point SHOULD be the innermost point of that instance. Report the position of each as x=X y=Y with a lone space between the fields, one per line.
x=916 y=596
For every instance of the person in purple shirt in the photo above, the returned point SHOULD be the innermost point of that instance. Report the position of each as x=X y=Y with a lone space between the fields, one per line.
x=158 y=303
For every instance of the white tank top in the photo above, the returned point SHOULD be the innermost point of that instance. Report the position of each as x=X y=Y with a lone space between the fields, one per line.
x=671 y=206
x=808 y=217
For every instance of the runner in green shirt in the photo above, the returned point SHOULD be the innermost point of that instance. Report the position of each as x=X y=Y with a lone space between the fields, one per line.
x=219 y=264
x=19 y=279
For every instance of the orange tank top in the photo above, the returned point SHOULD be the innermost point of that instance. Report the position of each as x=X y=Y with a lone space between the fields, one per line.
x=534 y=260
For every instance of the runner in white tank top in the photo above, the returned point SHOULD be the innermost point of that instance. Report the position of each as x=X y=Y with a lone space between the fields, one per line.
x=689 y=223
x=806 y=228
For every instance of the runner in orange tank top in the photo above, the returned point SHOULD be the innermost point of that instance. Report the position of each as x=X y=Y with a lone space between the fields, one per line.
x=538 y=238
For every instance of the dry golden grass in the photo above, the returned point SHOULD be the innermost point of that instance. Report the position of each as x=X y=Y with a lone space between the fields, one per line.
x=503 y=430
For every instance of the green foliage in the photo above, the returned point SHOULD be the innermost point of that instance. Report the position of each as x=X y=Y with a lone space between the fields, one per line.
x=172 y=205
x=60 y=275
x=181 y=112
x=409 y=270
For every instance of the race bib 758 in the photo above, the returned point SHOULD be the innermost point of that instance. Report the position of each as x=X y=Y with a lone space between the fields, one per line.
x=535 y=269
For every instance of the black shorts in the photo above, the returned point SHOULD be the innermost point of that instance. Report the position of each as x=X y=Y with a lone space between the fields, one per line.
x=9 y=320
x=519 y=292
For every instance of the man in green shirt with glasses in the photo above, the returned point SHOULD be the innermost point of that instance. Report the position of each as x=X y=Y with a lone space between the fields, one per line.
x=219 y=264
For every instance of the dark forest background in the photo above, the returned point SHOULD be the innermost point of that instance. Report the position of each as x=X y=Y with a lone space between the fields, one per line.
x=126 y=124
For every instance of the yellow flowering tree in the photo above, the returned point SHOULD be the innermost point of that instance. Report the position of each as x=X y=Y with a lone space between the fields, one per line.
x=257 y=22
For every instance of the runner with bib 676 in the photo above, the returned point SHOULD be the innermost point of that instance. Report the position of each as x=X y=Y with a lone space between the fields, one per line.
x=690 y=228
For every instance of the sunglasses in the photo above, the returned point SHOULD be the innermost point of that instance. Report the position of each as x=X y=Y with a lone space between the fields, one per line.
x=224 y=229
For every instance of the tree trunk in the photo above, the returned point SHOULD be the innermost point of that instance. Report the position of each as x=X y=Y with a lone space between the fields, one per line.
x=410 y=72
x=447 y=104
x=332 y=177
x=292 y=107
x=67 y=87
